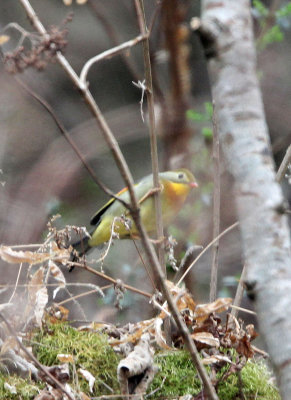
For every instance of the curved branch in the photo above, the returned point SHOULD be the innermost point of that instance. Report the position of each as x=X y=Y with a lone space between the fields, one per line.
x=107 y=54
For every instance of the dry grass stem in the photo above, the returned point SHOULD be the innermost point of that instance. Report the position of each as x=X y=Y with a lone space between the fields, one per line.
x=231 y=227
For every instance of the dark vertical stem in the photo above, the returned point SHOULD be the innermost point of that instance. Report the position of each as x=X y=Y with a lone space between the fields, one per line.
x=152 y=128
x=216 y=208
x=239 y=292
x=175 y=128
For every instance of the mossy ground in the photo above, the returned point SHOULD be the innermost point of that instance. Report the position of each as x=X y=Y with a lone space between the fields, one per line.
x=25 y=389
x=176 y=377
x=90 y=351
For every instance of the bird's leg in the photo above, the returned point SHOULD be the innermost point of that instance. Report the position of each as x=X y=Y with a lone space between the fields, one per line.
x=158 y=241
x=150 y=193
x=135 y=236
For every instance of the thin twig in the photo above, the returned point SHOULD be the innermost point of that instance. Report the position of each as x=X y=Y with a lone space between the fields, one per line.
x=109 y=243
x=36 y=362
x=66 y=135
x=143 y=263
x=108 y=53
x=284 y=165
x=239 y=292
x=206 y=248
x=241 y=309
x=216 y=208
x=152 y=126
x=100 y=12
x=77 y=296
x=108 y=278
x=16 y=283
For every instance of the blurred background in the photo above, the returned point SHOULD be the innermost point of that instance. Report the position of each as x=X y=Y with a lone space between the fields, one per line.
x=41 y=175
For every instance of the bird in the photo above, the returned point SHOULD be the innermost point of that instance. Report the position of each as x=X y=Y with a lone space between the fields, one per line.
x=174 y=189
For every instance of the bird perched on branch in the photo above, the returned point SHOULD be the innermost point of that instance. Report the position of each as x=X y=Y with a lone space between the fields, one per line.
x=175 y=187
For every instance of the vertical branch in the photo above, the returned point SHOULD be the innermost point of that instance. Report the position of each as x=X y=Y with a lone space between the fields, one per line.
x=176 y=132
x=99 y=10
x=284 y=165
x=239 y=292
x=216 y=208
x=153 y=136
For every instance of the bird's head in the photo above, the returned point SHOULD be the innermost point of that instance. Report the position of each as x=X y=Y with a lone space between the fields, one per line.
x=181 y=175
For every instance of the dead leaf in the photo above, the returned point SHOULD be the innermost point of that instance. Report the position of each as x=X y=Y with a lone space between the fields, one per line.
x=9 y=344
x=17 y=257
x=36 y=283
x=244 y=347
x=182 y=297
x=159 y=335
x=206 y=338
x=202 y=311
x=89 y=378
x=59 y=372
x=33 y=257
x=58 y=275
x=41 y=302
x=83 y=396
x=11 y=389
x=56 y=272
x=65 y=358
x=139 y=330
x=216 y=359
x=58 y=313
x=137 y=370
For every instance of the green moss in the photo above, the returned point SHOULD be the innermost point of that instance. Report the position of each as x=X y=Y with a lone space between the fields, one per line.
x=25 y=389
x=255 y=384
x=256 y=379
x=90 y=351
x=177 y=377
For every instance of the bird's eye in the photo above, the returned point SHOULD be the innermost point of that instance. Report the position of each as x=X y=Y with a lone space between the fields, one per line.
x=181 y=176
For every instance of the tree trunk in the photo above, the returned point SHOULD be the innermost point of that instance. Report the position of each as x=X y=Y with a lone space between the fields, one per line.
x=227 y=34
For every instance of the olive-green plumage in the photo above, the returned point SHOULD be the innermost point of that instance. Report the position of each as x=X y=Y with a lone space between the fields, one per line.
x=175 y=187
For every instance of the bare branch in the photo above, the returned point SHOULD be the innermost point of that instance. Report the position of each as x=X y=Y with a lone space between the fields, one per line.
x=152 y=128
x=100 y=12
x=65 y=133
x=239 y=293
x=108 y=278
x=216 y=208
x=284 y=165
x=107 y=54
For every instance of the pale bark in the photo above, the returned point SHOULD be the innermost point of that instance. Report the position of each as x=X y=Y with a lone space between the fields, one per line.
x=227 y=33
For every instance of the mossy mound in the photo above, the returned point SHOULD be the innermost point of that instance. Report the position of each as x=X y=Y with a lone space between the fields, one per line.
x=24 y=388
x=176 y=377
x=90 y=351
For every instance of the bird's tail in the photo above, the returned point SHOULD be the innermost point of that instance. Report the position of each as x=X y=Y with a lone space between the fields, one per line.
x=80 y=248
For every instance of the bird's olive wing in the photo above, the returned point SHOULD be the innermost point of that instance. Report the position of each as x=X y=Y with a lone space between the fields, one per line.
x=96 y=217
x=141 y=189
